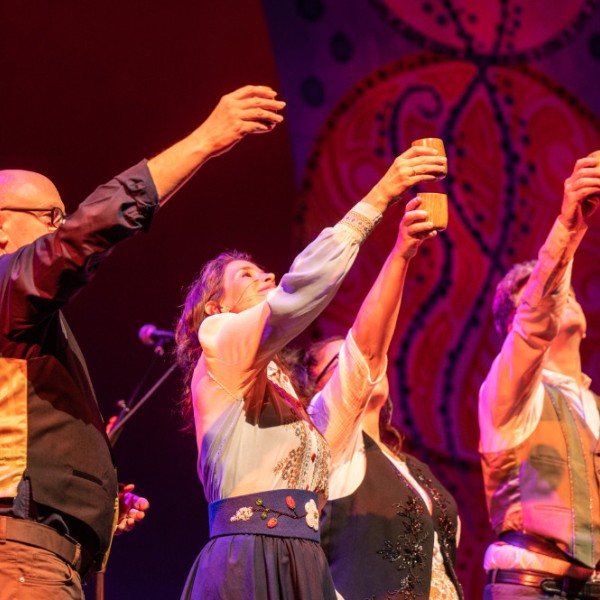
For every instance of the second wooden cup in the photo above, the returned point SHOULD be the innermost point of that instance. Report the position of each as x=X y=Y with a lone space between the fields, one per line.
x=436 y=206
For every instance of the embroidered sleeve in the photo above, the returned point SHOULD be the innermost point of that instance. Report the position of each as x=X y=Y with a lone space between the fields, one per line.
x=251 y=338
x=360 y=221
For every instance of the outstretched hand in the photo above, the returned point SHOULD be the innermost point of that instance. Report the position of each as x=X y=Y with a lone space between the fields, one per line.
x=250 y=109
x=132 y=508
x=581 y=192
x=416 y=165
x=414 y=229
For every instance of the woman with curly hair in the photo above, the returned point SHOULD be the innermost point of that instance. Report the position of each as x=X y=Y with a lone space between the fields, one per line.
x=263 y=464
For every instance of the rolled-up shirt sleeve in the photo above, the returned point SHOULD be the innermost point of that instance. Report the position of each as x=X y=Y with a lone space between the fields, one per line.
x=41 y=277
x=510 y=398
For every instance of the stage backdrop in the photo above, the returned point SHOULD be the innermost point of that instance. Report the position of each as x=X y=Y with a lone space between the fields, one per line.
x=89 y=88
x=512 y=89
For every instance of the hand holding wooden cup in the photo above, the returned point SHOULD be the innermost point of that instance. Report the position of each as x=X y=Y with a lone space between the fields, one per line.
x=436 y=143
x=593 y=200
x=436 y=206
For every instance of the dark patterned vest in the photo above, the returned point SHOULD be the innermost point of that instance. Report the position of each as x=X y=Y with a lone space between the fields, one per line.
x=379 y=540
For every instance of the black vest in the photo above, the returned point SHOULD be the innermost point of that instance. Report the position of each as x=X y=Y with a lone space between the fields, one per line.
x=379 y=540
x=69 y=466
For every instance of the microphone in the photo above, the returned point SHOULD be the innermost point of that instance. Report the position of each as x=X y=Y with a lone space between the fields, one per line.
x=151 y=336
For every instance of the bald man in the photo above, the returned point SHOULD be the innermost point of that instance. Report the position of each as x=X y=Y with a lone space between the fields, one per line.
x=58 y=485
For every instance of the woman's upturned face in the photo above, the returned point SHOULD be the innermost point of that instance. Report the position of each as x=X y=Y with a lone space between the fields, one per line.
x=244 y=285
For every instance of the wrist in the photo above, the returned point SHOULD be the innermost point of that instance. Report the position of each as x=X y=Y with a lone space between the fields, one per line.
x=202 y=145
x=379 y=199
x=570 y=222
x=404 y=251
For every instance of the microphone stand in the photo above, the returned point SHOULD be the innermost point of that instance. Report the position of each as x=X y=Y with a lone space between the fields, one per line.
x=128 y=409
x=128 y=412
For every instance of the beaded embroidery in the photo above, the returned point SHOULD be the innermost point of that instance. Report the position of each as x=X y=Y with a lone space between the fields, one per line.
x=407 y=551
x=358 y=223
x=409 y=548
x=272 y=515
x=446 y=526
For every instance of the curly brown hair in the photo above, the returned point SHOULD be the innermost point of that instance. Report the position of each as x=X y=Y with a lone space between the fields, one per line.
x=507 y=290
x=207 y=286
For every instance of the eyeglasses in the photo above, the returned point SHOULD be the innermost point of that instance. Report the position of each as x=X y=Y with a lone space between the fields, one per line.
x=326 y=368
x=56 y=214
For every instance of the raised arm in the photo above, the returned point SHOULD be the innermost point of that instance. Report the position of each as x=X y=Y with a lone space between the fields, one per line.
x=507 y=396
x=248 y=110
x=338 y=407
x=55 y=266
x=415 y=165
x=376 y=320
x=255 y=335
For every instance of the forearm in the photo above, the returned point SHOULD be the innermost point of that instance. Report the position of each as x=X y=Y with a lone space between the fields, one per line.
x=549 y=280
x=173 y=167
x=315 y=277
x=516 y=373
x=249 y=110
x=376 y=320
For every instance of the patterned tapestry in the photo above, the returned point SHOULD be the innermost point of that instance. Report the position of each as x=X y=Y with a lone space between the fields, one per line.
x=513 y=89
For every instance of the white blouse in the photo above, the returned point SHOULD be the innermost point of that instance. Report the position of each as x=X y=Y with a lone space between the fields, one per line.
x=252 y=433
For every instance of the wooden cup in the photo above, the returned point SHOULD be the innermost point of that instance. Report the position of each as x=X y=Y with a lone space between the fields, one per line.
x=436 y=206
x=594 y=199
x=436 y=143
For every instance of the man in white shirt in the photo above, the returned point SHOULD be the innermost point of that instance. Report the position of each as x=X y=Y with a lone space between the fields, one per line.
x=539 y=421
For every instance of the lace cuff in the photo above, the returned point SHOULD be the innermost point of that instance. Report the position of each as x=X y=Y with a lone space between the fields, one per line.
x=360 y=221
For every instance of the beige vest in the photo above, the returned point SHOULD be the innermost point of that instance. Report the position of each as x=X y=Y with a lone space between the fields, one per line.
x=549 y=484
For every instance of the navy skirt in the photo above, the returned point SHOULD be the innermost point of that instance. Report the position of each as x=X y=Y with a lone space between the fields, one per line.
x=260 y=567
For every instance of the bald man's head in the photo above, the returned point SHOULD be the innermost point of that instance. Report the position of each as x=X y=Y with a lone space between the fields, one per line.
x=25 y=191
x=27 y=188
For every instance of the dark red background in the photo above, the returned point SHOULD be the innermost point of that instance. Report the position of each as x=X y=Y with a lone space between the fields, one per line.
x=87 y=89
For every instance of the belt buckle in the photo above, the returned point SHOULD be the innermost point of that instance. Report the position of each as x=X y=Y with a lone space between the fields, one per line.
x=551 y=586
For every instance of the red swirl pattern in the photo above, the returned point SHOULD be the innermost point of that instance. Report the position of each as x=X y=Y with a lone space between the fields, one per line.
x=512 y=137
